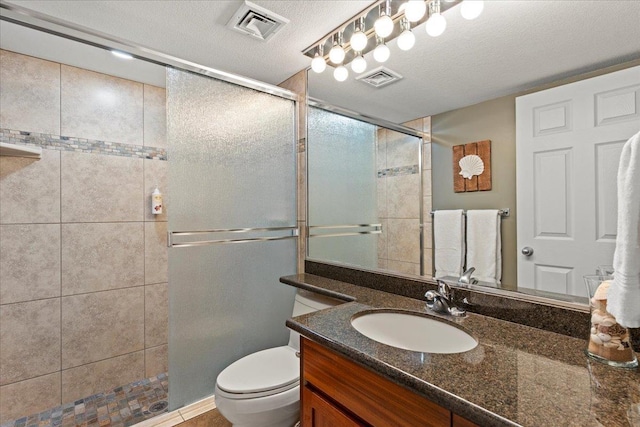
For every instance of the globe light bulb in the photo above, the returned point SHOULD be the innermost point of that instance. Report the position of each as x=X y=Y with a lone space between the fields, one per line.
x=359 y=64
x=406 y=40
x=383 y=26
x=381 y=53
x=414 y=10
x=318 y=64
x=336 y=54
x=471 y=9
x=341 y=73
x=436 y=25
x=358 y=41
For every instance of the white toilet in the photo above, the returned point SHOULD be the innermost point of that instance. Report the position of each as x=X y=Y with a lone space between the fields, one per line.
x=263 y=388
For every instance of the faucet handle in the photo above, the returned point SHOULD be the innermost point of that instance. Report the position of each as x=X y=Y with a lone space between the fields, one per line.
x=444 y=289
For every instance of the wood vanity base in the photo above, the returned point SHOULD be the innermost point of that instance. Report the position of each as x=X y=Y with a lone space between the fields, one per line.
x=337 y=392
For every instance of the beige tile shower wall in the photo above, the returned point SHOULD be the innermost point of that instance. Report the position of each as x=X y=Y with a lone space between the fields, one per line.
x=399 y=203
x=83 y=262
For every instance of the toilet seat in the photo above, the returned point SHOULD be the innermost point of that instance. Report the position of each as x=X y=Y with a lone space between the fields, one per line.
x=264 y=373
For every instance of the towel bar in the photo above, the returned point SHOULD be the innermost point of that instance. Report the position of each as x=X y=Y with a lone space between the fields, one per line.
x=504 y=213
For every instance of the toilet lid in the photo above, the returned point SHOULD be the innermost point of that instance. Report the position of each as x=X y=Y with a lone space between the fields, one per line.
x=271 y=369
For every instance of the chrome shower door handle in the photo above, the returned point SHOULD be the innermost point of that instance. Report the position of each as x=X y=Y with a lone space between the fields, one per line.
x=527 y=251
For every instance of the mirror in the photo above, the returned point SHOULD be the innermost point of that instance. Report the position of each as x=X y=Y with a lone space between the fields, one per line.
x=364 y=193
x=463 y=86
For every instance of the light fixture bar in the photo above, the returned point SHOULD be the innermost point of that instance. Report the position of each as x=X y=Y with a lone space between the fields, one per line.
x=369 y=16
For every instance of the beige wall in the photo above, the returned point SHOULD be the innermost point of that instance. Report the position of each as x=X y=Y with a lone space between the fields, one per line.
x=494 y=120
x=83 y=262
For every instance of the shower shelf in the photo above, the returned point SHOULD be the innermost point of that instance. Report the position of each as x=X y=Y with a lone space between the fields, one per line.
x=20 y=151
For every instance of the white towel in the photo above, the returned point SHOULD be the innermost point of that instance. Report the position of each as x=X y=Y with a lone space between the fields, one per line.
x=484 y=245
x=448 y=236
x=624 y=294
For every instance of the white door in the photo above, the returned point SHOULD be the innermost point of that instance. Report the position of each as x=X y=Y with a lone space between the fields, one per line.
x=568 y=144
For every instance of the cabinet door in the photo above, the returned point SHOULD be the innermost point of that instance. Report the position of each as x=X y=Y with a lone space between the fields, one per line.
x=372 y=398
x=318 y=412
x=458 y=421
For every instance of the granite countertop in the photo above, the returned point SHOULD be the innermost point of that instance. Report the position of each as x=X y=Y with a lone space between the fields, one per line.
x=517 y=375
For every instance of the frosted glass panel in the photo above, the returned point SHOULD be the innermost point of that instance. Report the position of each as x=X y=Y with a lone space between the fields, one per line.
x=231 y=165
x=225 y=302
x=235 y=147
x=342 y=185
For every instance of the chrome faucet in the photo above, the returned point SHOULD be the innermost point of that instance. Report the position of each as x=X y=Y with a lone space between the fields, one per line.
x=466 y=278
x=441 y=301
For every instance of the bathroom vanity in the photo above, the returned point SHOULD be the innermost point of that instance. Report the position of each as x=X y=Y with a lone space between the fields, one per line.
x=338 y=392
x=517 y=375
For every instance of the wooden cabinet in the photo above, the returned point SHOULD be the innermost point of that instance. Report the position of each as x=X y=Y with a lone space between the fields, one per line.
x=458 y=421
x=338 y=392
x=319 y=412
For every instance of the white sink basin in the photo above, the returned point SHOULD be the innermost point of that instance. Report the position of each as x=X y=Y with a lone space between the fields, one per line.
x=413 y=332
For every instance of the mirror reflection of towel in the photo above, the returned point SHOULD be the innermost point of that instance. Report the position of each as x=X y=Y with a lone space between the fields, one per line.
x=624 y=293
x=448 y=239
x=484 y=245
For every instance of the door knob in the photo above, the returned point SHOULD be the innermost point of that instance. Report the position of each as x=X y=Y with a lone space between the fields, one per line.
x=527 y=251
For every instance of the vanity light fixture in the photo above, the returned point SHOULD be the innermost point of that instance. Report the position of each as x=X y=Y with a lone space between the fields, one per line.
x=381 y=53
x=384 y=24
x=471 y=9
x=318 y=64
x=414 y=10
x=436 y=24
x=349 y=43
x=359 y=38
x=121 y=55
x=407 y=39
x=341 y=73
x=359 y=64
x=337 y=53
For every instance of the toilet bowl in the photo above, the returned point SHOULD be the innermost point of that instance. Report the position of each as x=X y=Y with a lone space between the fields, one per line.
x=263 y=388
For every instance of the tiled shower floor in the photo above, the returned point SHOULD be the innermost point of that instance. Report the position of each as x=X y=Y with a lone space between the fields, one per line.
x=121 y=407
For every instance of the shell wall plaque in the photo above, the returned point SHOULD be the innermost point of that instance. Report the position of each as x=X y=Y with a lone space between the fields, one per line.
x=472 y=167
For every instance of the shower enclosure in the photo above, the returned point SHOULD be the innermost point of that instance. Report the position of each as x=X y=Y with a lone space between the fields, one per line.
x=91 y=319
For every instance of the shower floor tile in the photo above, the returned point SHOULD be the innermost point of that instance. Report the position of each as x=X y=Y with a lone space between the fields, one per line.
x=121 y=407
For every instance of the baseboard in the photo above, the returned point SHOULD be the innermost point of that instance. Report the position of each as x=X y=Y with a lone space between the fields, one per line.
x=181 y=415
x=169 y=419
x=198 y=408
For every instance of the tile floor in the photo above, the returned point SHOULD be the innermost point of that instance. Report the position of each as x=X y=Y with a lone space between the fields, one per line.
x=208 y=419
x=121 y=407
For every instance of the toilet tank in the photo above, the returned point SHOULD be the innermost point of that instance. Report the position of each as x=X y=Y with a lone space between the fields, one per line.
x=308 y=302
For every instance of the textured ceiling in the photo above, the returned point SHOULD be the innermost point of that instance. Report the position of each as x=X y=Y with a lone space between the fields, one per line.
x=196 y=30
x=513 y=46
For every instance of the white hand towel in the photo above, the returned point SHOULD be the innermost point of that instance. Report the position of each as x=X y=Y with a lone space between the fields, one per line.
x=484 y=245
x=624 y=294
x=448 y=236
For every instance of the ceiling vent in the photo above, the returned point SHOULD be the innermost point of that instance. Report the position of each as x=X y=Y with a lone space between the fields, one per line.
x=379 y=77
x=256 y=21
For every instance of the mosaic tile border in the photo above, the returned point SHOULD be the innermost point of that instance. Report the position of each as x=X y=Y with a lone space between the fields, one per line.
x=399 y=171
x=123 y=406
x=82 y=145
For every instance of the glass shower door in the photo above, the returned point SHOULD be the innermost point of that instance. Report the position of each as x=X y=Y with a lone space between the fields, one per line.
x=232 y=227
